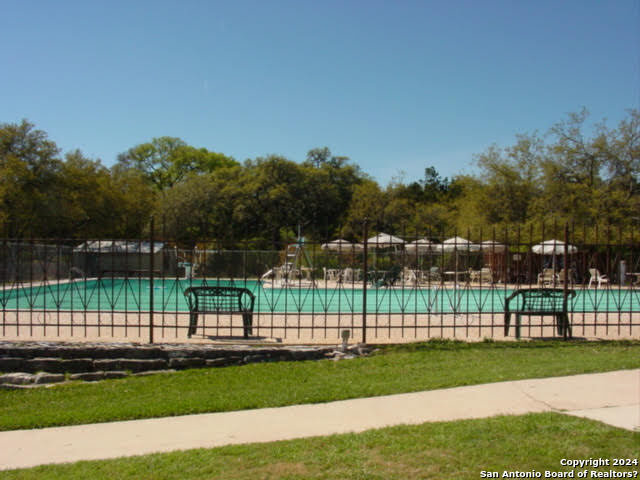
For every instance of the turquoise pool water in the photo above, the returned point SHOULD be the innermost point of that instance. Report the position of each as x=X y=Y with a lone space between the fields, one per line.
x=133 y=295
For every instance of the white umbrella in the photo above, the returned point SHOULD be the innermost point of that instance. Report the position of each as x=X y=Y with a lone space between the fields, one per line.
x=341 y=245
x=493 y=246
x=384 y=240
x=553 y=247
x=456 y=244
x=421 y=246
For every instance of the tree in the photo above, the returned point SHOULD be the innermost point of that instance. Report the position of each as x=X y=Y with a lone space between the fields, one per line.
x=572 y=178
x=431 y=189
x=86 y=202
x=620 y=150
x=433 y=185
x=277 y=189
x=504 y=190
x=469 y=211
x=367 y=203
x=330 y=188
x=317 y=157
x=572 y=186
x=187 y=210
x=431 y=220
x=136 y=200
x=575 y=156
x=165 y=161
x=92 y=202
x=511 y=179
x=29 y=165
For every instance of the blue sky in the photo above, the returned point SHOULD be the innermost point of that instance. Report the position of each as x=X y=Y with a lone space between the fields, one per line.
x=397 y=86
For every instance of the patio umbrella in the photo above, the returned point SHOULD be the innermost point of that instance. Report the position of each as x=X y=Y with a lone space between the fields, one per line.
x=493 y=246
x=341 y=245
x=455 y=244
x=384 y=240
x=554 y=248
x=421 y=246
x=417 y=248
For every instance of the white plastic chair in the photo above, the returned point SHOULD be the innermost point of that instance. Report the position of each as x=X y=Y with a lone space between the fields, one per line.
x=347 y=275
x=409 y=276
x=547 y=277
x=595 y=275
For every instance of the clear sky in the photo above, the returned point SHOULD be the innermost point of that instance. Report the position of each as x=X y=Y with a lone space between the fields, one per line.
x=396 y=85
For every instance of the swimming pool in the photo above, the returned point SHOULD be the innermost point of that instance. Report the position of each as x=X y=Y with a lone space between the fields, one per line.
x=134 y=295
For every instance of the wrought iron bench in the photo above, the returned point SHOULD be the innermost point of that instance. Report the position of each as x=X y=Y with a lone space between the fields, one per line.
x=220 y=300
x=541 y=302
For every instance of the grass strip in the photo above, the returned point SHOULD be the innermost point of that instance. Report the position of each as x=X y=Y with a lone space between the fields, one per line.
x=446 y=450
x=393 y=370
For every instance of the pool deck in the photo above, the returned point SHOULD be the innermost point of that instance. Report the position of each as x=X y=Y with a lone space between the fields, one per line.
x=312 y=329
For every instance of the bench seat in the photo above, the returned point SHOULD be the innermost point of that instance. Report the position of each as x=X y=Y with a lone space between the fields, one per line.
x=540 y=302
x=220 y=300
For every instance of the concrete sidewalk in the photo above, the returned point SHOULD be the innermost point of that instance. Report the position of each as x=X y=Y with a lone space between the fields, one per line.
x=612 y=397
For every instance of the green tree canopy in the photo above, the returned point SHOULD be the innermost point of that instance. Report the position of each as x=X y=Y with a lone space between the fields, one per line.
x=577 y=173
x=29 y=165
x=165 y=161
x=571 y=177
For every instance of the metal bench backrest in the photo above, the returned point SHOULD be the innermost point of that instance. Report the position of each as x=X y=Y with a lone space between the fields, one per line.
x=541 y=300
x=219 y=299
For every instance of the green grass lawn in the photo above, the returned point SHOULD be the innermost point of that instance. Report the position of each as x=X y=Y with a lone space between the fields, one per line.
x=392 y=370
x=447 y=450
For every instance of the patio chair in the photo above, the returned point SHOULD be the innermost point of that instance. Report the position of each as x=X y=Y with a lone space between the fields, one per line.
x=347 y=275
x=547 y=277
x=570 y=276
x=409 y=276
x=596 y=276
x=390 y=277
x=483 y=275
x=331 y=274
x=433 y=275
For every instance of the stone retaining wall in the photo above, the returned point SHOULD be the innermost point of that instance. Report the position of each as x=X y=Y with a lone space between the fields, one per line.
x=38 y=363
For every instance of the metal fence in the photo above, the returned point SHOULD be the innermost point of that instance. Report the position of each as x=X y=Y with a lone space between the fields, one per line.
x=412 y=288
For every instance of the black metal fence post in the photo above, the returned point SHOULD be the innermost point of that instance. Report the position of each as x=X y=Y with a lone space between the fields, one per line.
x=151 y=268
x=365 y=274
x=565 y=274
